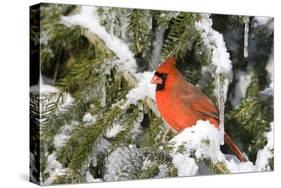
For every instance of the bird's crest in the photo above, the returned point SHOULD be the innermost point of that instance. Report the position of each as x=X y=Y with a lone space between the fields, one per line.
x=167 y=66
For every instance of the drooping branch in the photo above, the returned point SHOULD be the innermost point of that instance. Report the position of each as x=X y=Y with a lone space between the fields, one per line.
x=132 y=81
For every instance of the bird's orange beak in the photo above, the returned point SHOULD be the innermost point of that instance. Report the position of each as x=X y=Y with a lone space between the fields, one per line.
x=156 y=80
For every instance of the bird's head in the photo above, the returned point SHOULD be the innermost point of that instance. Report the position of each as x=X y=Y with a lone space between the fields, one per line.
x=162 y=73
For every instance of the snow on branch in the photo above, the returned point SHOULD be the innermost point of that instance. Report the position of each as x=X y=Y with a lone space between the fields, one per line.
x=220 y=59
x=51 y=100
x=42 y=88
x=126 y=64
x=88 y=18
x=142 y=90
x=54 y=169
x=215 y=43
x=202 y=142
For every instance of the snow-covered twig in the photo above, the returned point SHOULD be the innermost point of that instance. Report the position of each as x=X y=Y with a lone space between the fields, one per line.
x=88 y=18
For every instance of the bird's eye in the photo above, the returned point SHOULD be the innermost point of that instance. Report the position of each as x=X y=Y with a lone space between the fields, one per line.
x=161 y=75
x=164 y=76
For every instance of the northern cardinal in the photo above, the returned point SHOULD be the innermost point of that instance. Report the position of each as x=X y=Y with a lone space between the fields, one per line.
x=181 y=104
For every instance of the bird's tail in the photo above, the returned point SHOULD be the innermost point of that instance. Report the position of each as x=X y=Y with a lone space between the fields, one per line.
x=234 y=148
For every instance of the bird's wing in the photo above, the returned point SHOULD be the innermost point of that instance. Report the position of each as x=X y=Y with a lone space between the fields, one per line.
x=205 y=106
x=192 y=97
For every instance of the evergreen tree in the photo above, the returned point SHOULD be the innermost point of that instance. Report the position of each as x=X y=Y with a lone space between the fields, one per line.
x=97 y=120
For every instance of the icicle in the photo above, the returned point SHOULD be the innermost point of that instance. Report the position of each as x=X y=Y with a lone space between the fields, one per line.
x=221 y=100
x=246 y=33
x=157 y=45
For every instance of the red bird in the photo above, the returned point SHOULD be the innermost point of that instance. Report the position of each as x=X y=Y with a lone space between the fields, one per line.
x=181 y=104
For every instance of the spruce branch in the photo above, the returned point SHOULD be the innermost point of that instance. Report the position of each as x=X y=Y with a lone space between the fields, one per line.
x=139 y=27
x=251 y=112
x=181 y=35
x=83 y=141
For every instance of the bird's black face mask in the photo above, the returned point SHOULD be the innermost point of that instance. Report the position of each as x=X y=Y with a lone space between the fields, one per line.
x=162 y=77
